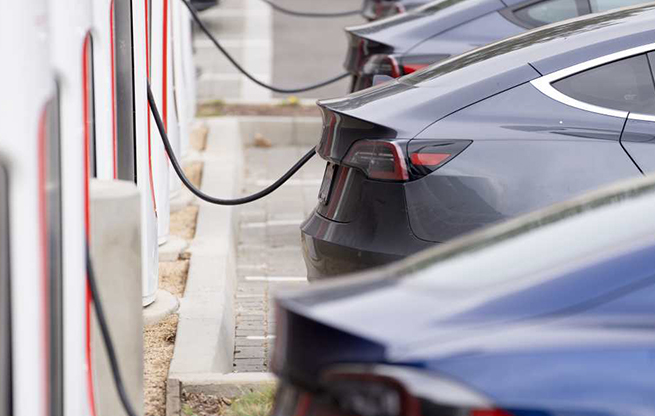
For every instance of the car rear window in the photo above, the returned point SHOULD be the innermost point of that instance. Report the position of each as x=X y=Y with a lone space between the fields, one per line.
x=625 y=85
x=549 y=11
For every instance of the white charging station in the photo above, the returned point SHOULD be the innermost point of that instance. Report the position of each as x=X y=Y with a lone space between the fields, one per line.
x=145 y=140
x=189 y=72
x=182 y=42
x=104 y=154
x=158 y=82
x=71 y=50
x=28 y=87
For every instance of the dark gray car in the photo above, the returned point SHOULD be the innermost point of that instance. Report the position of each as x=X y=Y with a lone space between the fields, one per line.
x=482 y=137
x=444 y=28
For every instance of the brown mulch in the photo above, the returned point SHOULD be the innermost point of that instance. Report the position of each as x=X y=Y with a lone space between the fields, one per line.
x=173 y=276
x=183 y=222
x=193 y=171
x=159 y=339
x=159 y=342
x=200 y=404
x=222 y=109
x=198 y=138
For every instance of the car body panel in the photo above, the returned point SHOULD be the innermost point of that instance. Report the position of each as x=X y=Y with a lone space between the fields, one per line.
x=359 y=241
x=569 y=330
x=525 y=160
x=462 y=38
x=378 y=106
x=638 y=139
x=409 y=29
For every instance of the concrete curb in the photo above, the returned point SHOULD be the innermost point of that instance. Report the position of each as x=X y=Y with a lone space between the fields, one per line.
x=228 y=385
x=206 y=329
x=204 y=349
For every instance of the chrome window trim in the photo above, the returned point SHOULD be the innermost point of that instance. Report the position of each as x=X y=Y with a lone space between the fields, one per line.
x=544 y=84
x=642 y=117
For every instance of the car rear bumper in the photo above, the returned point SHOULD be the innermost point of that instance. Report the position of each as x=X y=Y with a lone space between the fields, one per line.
x=333 y=248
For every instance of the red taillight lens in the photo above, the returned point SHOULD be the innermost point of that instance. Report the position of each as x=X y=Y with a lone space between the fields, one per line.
x=409 y=68
x=426 y=156
x=378 y=159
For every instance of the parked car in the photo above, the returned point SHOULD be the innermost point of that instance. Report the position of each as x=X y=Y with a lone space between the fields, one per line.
x=379 y=9
x=548 y=314
x=444 y=28
x=483 y=137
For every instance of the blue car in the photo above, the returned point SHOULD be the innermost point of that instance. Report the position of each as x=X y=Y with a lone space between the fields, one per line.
x=548 y=314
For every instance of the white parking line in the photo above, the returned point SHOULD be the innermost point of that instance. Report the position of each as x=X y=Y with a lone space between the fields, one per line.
x=271 y=223
x=275 y=279
x=260 y=338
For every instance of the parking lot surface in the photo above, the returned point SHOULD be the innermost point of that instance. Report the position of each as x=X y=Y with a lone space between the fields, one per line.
x=269 y=252
x=318 y=53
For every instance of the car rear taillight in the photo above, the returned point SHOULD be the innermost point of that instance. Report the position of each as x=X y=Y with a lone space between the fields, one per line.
x=397 y=66
x=398 y=391
x=378 y=159
x=402 y=160
x=382 y=65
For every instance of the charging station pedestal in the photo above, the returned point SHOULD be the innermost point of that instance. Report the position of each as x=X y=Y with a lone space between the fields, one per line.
x=158 y=82
x=27 y=83
x=71 y=43
x=104 y=89
x=133 y=139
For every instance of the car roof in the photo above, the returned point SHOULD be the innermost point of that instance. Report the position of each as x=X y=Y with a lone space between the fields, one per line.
x=549 y=48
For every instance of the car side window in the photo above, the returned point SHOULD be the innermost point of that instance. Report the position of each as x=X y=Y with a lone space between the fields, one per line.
x=605 y=5
x=621 y=85
x=549 y=11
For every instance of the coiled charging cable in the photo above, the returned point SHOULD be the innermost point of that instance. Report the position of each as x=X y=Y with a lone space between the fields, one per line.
x=198 y=192
x=229 y=57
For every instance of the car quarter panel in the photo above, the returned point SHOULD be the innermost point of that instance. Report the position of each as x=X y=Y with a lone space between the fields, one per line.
x=638 y=140
x=541 y=153
x=476 y=33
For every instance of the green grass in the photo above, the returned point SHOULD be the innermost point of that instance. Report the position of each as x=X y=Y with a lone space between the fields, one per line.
x=257 y=403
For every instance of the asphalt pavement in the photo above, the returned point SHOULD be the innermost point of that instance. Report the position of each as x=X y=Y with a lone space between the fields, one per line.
x=308 y=50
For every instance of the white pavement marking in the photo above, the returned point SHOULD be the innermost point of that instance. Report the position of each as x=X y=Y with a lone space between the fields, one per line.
x=260 y=338
x=271 y=223
x=275 y=279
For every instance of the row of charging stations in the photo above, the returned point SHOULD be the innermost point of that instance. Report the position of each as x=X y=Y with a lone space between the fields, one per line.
x=74 y=107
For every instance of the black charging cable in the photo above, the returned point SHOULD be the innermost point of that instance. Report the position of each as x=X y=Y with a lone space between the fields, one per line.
x=106 y=336
x=220 y=47
x=281 y=9
x=212 y=200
